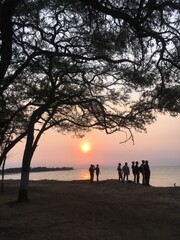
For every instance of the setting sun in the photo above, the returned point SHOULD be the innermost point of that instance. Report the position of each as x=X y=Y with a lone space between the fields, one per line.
x=85 y=147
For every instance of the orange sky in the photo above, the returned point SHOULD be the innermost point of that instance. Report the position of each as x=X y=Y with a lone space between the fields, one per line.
x=160 y=146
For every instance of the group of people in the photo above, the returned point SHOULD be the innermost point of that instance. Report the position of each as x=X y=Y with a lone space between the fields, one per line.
x=124 y=172
x=93 y=170
x=143 y=169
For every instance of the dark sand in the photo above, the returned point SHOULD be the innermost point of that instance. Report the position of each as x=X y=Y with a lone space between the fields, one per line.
x=78 y=210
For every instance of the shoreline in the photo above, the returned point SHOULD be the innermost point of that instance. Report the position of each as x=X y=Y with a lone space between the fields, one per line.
x=87 y=181
x=163 y=177
x=36 y=170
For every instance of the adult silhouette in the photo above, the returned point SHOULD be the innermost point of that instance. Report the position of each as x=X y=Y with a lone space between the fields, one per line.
x=97 y=169
x=147 y=173
x=119 y=169
x=132 y=167
x=91 y=171
x=141 y=169
x=136 y=172
x=126 y=172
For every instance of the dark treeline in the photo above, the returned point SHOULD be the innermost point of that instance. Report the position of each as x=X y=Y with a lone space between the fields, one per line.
x=37 y=169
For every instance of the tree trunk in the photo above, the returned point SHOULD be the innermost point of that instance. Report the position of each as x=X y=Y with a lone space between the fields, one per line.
x=26 y=162
x=30 y=147
x=2 y=179
x=24 y=186
x=6 y=28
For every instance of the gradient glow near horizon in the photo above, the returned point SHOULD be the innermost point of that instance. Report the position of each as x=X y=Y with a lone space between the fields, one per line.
x=160 y=146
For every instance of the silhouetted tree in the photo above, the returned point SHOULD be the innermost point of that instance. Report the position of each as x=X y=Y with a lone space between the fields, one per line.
x=147 y=32
x=75 y=65
x=72 y=100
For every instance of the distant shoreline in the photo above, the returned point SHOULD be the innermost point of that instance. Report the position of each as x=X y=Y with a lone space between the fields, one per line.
x=36 y=169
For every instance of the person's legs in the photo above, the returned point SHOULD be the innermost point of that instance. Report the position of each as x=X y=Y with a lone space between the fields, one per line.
x=137 y=178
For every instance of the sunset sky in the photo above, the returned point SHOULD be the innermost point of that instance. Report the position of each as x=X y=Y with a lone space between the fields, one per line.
x=160 y=145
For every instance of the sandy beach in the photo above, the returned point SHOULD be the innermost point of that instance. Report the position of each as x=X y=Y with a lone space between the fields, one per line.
x=78 y=210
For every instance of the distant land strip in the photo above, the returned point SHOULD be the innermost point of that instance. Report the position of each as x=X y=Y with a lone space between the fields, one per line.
x=37 y=169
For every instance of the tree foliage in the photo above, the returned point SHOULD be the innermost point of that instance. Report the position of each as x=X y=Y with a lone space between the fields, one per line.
x=147 y=32
x=95 y=45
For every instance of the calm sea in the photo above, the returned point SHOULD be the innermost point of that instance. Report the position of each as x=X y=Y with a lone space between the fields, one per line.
x=160 y=176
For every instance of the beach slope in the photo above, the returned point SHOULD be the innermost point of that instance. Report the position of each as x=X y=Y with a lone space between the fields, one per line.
x=78 y=210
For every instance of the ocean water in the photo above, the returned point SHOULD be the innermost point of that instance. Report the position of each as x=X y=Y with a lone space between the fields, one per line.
x=161 y=176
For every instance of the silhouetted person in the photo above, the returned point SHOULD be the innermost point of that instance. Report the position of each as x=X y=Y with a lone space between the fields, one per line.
x=136 y=172
x=97 y=169
x=126 y=171
x=119 y=169
x=141 y=169
x=132 y=167
x=91 y=171
x=147 y=173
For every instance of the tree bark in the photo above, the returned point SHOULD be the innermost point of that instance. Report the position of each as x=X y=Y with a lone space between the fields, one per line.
x=26 y=162
x=28 y=154
x=24 y=185
x=2 y=179
x=6 y=14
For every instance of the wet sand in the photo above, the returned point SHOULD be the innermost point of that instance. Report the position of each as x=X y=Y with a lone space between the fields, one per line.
x=78 y=210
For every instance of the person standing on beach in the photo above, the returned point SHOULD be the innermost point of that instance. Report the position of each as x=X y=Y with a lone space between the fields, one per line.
x=132 y=167
x=141 y=169
x=97 y=169
x=147 y=173
x=126 y=172
x=91 y=171
x=136 y=172
x=119 y=169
